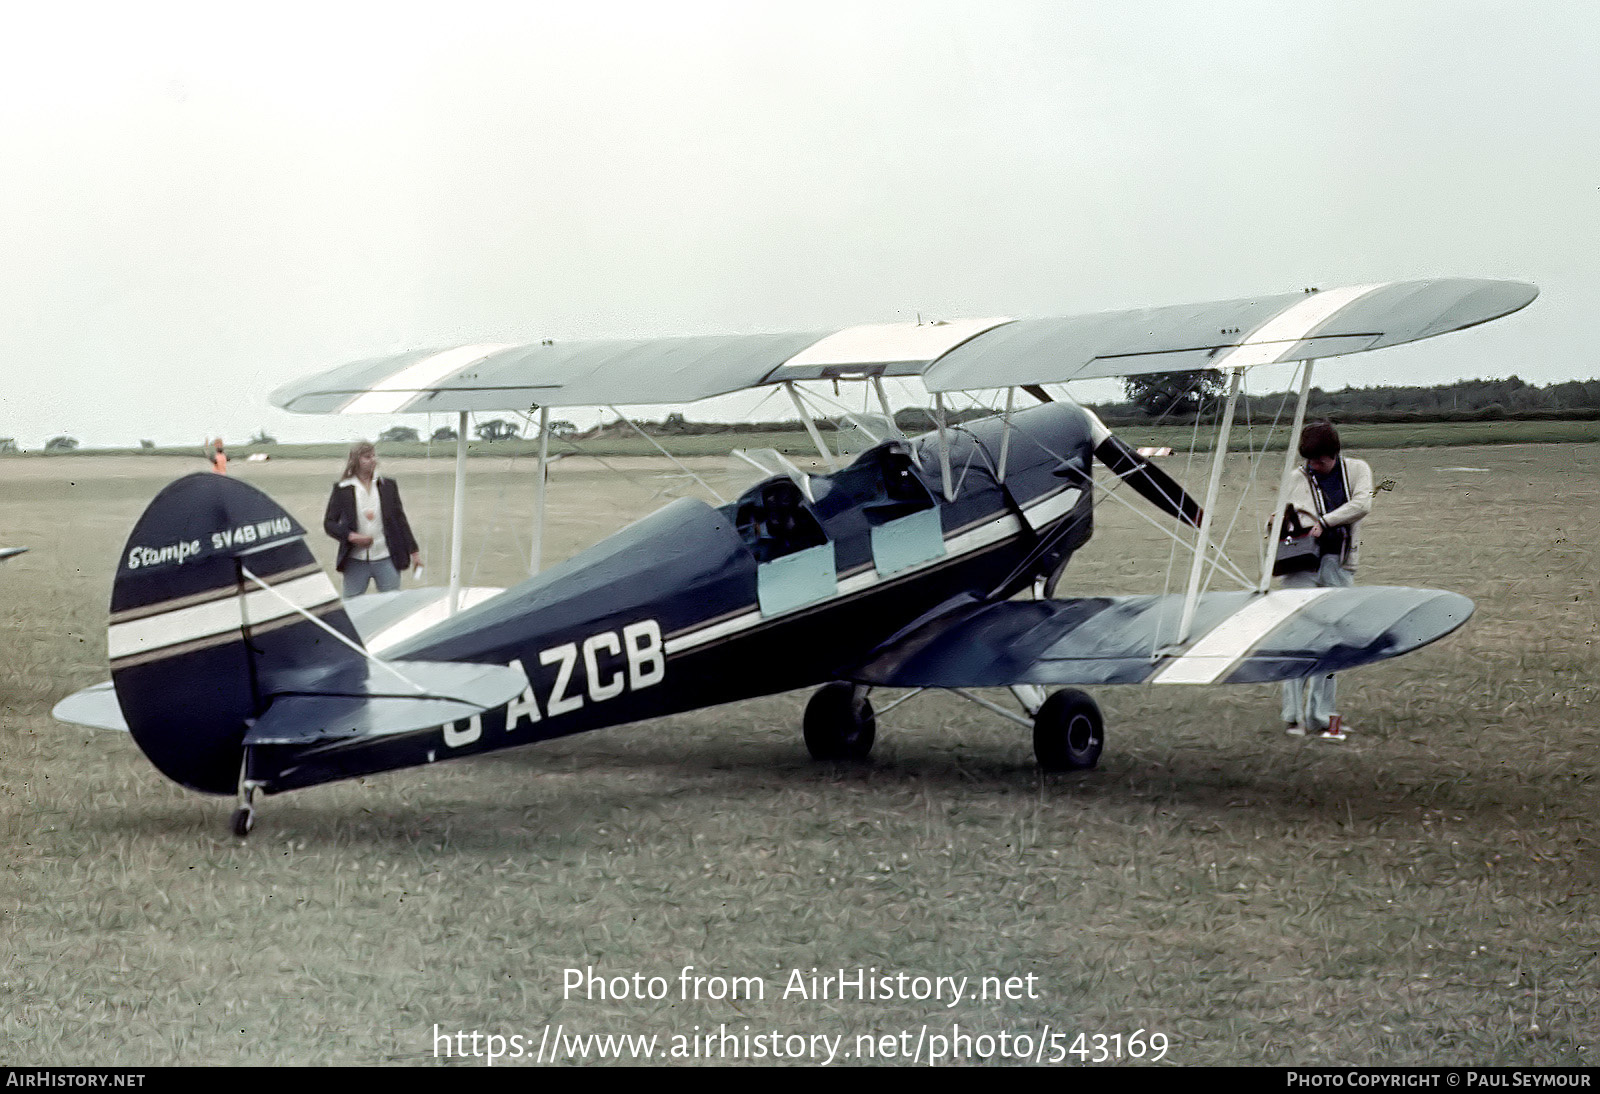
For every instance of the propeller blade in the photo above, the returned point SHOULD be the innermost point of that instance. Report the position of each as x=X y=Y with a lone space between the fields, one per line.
x=1147 y=480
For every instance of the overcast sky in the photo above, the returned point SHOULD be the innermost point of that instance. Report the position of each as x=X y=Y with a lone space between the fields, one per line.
x=203 y=202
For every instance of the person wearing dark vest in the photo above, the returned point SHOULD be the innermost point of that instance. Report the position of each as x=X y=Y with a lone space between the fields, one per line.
x=1333 y=494
x=366 y=517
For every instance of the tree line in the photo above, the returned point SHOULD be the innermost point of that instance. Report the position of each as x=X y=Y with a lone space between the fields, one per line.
x=1171 y=396
x=1168 y=396
x=1182 y=395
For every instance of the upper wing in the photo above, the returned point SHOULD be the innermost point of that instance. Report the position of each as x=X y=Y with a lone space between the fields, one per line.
x=1237 y=638
x=1236 y=333
x=664 y=370
x=956 y=355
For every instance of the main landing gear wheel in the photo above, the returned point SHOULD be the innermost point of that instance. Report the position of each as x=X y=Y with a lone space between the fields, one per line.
x=1068 y=732
x=839 y=724
x=244 y=819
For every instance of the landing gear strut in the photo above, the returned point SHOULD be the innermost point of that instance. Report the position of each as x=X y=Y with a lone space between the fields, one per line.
x=839 y=723
x=244 y=817
x=1068 y=732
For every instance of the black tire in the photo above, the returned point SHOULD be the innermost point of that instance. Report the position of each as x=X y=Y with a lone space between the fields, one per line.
x=839 y=723
x=1068 y=732
x=243 y=820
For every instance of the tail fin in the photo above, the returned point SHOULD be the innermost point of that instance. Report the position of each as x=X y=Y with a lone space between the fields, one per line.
x=197 y=645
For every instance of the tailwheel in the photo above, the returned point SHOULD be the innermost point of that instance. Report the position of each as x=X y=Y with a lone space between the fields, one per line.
x=244 y=817
x=1068 y=732
x=839 y=724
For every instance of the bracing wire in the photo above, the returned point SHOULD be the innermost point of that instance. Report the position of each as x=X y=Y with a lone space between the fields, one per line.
x=576 y=449
x=1244 y=495
x=1220 y=560
x=1109 y=491
x=675 y=461
x=859 y=419
x=517 y=544
x=437 y=532
x=1022 y=434
x=1257 y=459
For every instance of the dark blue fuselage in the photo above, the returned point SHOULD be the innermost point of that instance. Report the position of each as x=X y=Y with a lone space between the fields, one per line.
x=793 y=585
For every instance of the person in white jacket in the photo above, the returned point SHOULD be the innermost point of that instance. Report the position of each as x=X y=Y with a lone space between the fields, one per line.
x=1333 y=494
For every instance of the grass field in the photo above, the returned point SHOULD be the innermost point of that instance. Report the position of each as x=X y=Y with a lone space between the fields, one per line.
x=1428 y=892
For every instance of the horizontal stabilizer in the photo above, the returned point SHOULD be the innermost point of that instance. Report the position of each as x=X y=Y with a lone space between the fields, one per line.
x=95 y=707
x=354 y=703
x=387 y=619
x=343 y=706
x=1236 y=638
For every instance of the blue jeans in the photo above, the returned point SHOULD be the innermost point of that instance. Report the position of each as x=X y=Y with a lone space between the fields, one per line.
x=381 y=570
x=1310 y=701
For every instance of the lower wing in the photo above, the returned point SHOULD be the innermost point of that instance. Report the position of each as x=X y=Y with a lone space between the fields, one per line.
x=1236 y=638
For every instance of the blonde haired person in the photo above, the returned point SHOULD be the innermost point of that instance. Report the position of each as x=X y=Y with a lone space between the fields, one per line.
x=366 y=517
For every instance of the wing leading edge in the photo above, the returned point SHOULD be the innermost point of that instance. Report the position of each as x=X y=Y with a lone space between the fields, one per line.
x=1238 y=638
x=967 y=354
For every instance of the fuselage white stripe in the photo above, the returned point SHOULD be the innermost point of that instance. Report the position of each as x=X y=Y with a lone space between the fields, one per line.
x=889 y=343
x=1225 y=645
x=217 y=617
x=710 y=634
x=392 y=393
x=1053 y=508
x=1270 y=341
x=993 y=531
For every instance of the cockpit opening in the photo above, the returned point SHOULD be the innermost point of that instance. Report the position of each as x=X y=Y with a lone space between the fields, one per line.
x=773 y=520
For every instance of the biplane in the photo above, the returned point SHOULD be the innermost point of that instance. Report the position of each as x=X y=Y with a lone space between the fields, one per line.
x=922 y=562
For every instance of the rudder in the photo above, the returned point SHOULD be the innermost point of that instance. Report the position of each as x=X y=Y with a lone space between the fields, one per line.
x=195 y=639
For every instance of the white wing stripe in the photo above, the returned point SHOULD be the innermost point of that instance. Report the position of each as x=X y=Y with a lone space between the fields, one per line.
x=391 y=394
x=889 y=343
x=217 y=617
x=1212 y=656
x=1270 y=341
